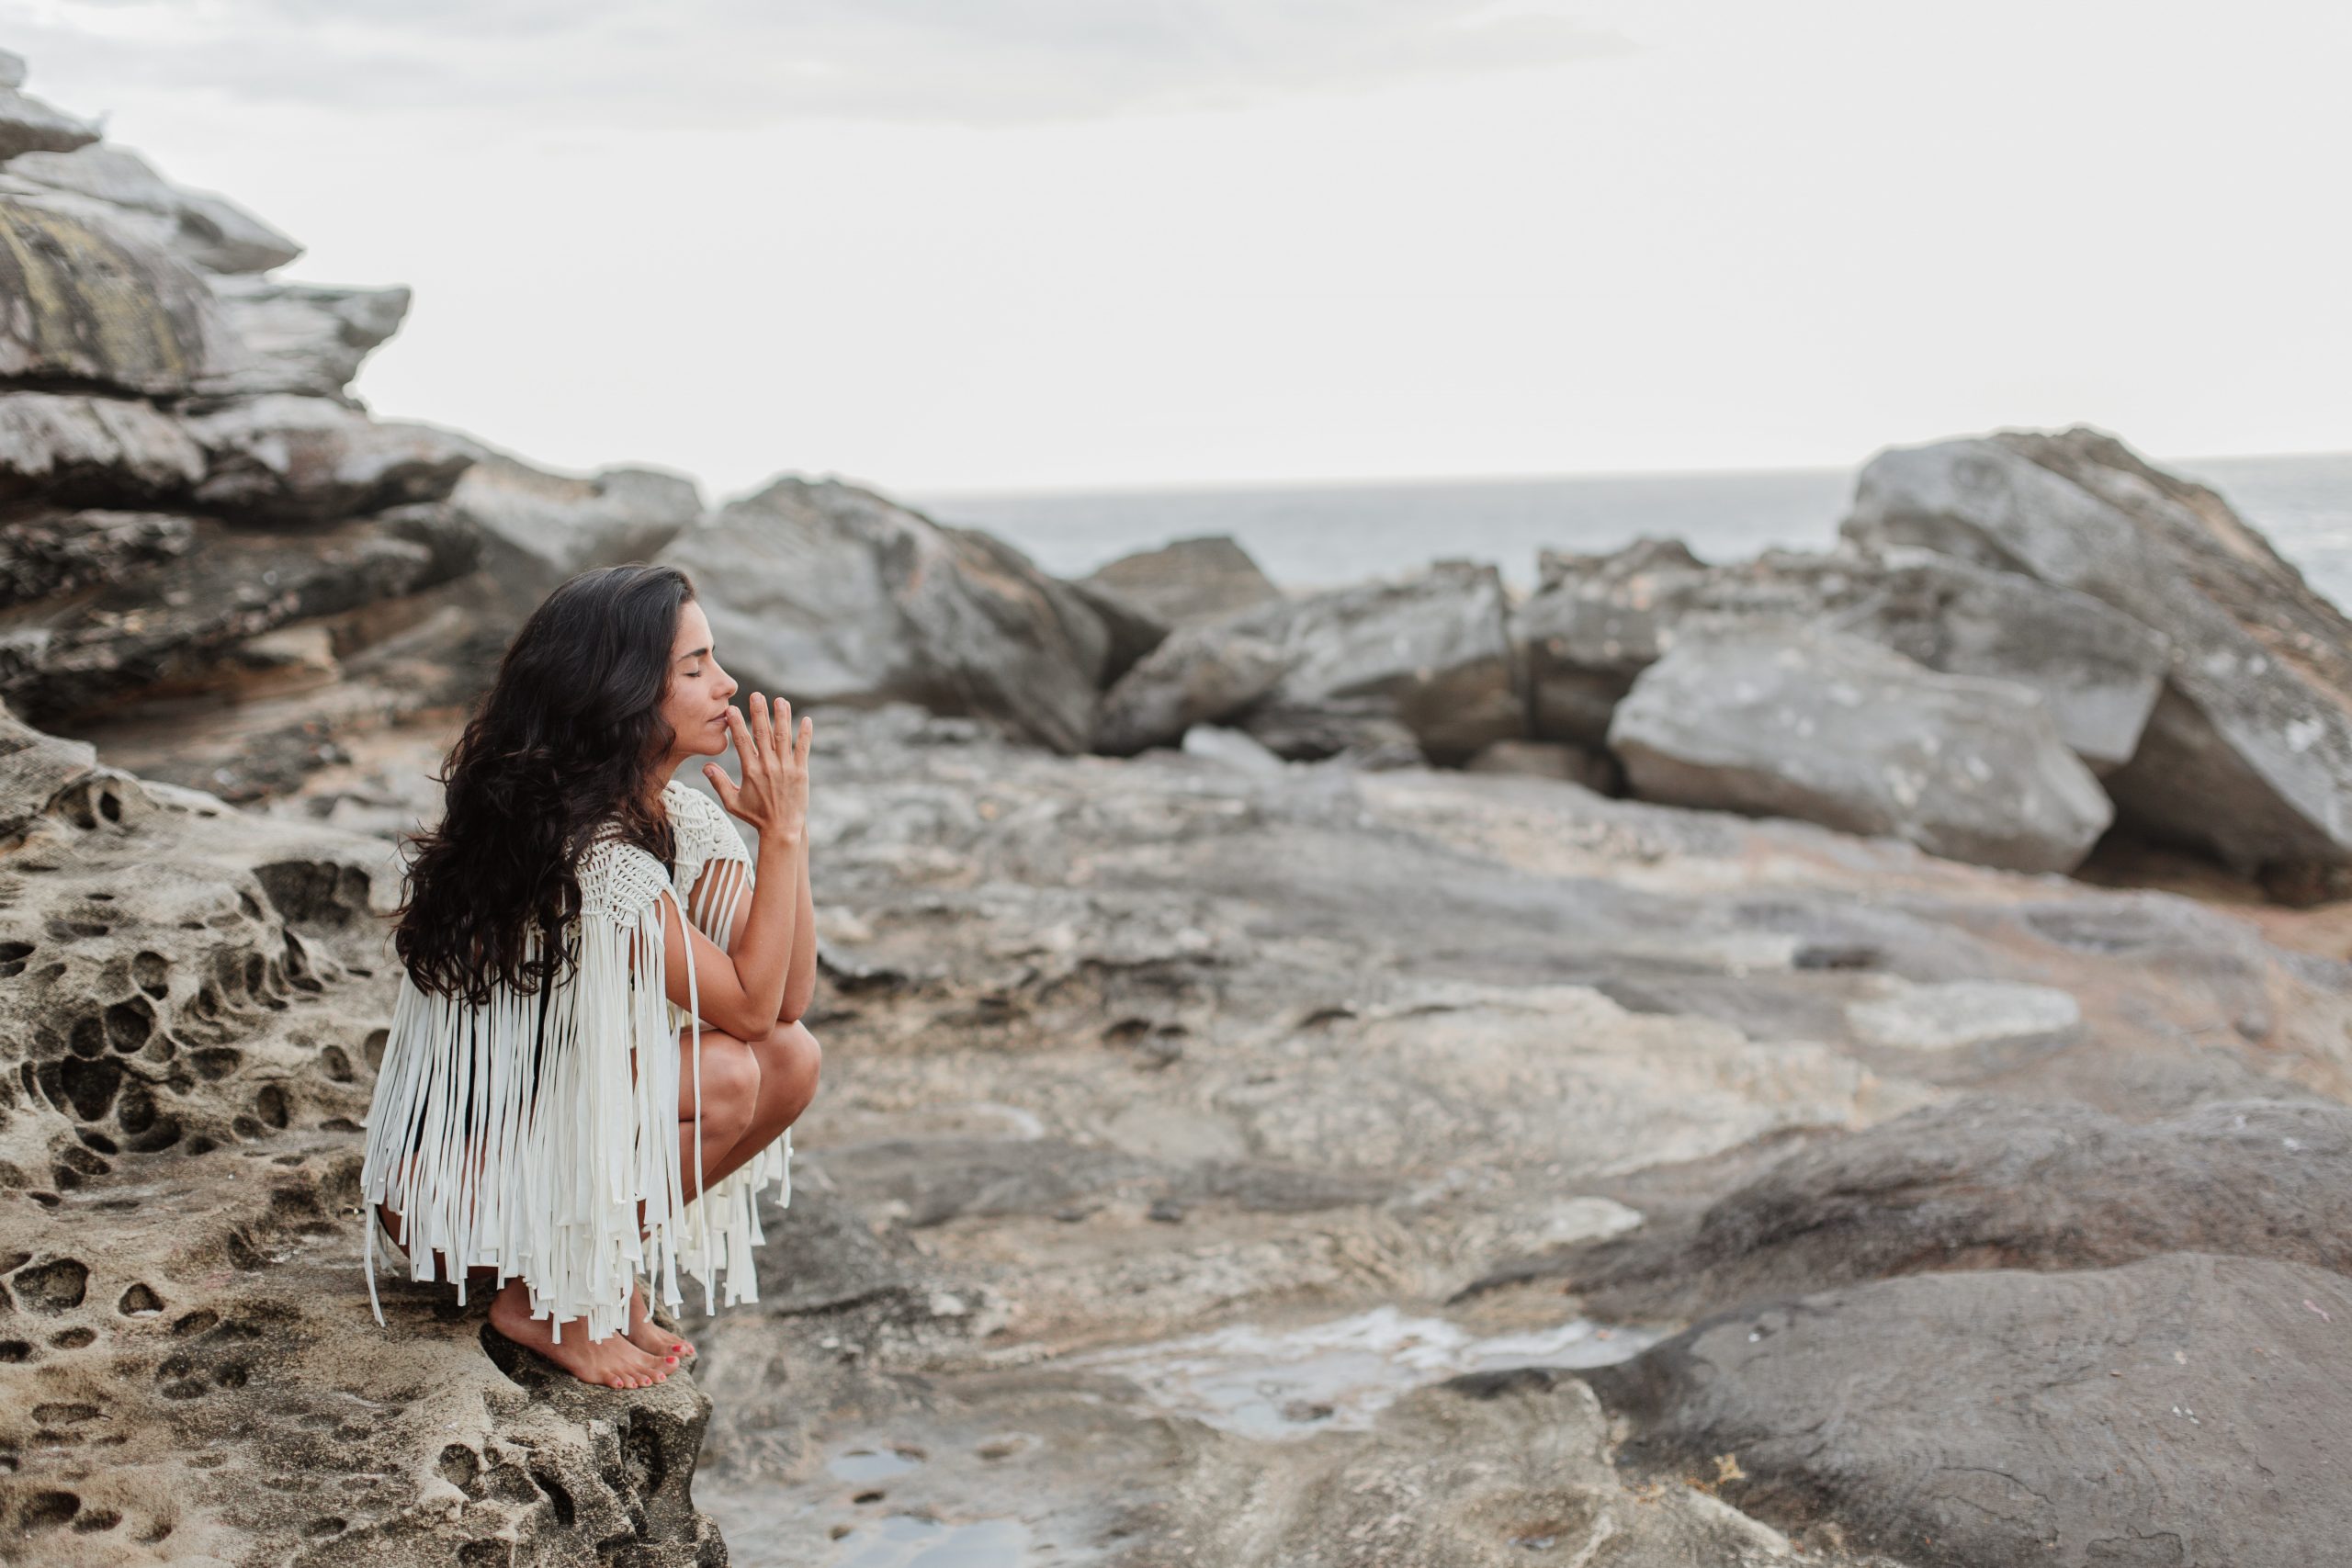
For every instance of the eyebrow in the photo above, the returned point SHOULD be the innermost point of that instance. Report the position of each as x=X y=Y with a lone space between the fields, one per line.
x=697 y=653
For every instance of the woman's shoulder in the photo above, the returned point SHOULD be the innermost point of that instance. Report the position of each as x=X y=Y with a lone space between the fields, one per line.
x=618 y=877
x=701 y=824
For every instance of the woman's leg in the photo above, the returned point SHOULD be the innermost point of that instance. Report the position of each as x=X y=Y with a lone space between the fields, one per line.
x=790 y=1059
x=730 y=1088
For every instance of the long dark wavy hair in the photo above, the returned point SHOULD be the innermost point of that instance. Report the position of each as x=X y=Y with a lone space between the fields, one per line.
x=561 y=745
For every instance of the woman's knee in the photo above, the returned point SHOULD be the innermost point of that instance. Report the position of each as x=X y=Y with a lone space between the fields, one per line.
x=727 y=1092
x=789 y=1060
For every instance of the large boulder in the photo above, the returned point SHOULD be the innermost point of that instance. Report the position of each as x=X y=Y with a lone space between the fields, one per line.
x=83 y=300
x=292 y=459
x=2248 y=753
x=1601 y=620
x=1188 y=581
x=826 y=593
x=537 y=528
x=1780 y=719
x=210 y=231
x=1199 y=675
x=1426 y=656
x=2180 y=1410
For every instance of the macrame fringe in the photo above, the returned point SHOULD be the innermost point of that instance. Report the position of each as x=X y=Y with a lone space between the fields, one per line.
x=523 y=1136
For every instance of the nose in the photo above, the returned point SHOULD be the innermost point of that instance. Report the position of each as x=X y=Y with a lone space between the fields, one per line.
x=726 y=683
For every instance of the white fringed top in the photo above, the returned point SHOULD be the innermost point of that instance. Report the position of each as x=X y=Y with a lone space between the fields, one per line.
x=523 y=1136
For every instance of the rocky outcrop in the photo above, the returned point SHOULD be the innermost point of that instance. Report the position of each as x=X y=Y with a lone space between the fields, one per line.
x=537 y=528
x=2177 y=1410
x=1790 y=721
x=2249 y=751
x=29 y=125
x=94 y=304
x=1199 y=674
x=1188 y=581
x=189 y=1371
x=826 y=593
x=299 y=337
x=1599 y=621
x=122 y=187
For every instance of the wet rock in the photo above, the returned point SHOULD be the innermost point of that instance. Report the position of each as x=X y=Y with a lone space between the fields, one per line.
x=2247 y=751
x=827 y=592
x=2176 y=1410
x=1772 y=719
x=537 y=528
x=1188 y=581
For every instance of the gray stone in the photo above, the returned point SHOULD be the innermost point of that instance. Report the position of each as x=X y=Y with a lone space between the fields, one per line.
x=1190 y=580
x=1602 y=620
x=83 y=299
x=284 y=458
x=63 y=448
x=1135 y=631
x=29 y=125
x=2248 y=754
x=1771 y=718
x=1231 y=747
x=302 y=337
x=826 y=593
x=1949 y=1014
x=50 y=555
x=1594 y=770
x=210 y=231
x=537 y=528
x=1429 y=652
x=1199 y=675
x=2180 y=1410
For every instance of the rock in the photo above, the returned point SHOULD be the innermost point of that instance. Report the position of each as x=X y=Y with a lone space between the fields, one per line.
x=28 y=125
x=827 y=592
x=1582 y=765
x=90 y=301
x=1768 y=718
x=1954 y=1013
x=2177 y=1410
x=1987 y=1183
x=1199 y=675
x=53 y=554
x=2248 y=754
x=1363 y=732
x=1428 y=652
x=168 y=623
x=1188 y=581
x=189 y=1371
x=73 y=450
x=1602 y=620
x=207 y=229
x=537 y=528
x=302 y=337
x=1230 y=747
x=293 y=459
x=1135 y=631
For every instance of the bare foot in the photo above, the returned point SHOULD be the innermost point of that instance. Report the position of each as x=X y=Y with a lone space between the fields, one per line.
x=612 y=1361
x=653 y=1341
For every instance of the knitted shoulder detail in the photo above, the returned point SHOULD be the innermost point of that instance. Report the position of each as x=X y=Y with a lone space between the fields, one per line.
x=704 y=830
x=617 y=879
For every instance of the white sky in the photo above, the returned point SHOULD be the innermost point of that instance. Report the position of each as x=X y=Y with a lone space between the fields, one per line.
x=947 y=244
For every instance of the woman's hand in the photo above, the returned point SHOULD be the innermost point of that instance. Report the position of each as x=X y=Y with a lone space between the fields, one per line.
x=774 y=795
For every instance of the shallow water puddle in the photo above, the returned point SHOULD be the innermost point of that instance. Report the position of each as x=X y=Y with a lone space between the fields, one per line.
x=1294 y=1382
x=868 y=1464
x=903 y=1540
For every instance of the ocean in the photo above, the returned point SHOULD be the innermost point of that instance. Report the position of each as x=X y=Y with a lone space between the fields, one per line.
x=1317 y=535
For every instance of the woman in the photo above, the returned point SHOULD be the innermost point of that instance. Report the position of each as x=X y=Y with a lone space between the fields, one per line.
x=597 y=1050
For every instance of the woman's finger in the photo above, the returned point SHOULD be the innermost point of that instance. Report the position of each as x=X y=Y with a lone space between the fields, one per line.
x=781 y=730
x=747 y=750
x=801 y=745
x=760 y=723
x=723 y=787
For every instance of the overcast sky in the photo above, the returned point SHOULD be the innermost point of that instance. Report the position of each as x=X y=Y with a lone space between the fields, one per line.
x=943 y=245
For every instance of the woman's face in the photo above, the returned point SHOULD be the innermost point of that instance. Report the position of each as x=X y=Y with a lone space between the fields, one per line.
x=696 y=706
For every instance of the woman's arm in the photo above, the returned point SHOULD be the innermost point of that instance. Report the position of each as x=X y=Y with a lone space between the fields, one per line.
x=800 y=975
x=743 y=990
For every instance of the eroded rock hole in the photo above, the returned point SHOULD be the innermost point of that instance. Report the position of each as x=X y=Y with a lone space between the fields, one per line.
x=139 y=1301
x=271 y=1105
x=57 y=1285
x=374 y=1049
x=129 y=1023
x=48 y=1510
x=13 y=955
x=216 y=1064
x=337 y=1063
x=88 y=1087
x=74 y=1339
x=152 y=972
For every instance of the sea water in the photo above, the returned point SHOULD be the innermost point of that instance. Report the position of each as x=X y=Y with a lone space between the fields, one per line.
x=1318 y=536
